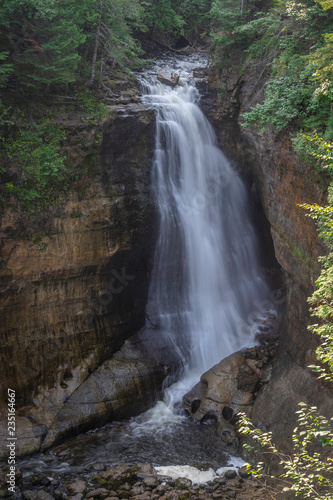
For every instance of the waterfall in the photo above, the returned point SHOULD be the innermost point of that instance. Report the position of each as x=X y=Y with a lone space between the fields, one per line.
x=206 y=284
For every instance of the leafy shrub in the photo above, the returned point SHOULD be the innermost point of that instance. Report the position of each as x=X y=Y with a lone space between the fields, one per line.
x=38 y=169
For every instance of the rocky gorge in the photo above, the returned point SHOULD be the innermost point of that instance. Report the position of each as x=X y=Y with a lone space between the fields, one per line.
x=74 y=292
x=280 y=183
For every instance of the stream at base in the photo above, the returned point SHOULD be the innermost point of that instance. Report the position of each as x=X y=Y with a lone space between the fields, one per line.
x=180 y=442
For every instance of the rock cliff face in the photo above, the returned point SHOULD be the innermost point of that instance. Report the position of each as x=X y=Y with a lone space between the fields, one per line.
x=282 y=182
x=76 y=289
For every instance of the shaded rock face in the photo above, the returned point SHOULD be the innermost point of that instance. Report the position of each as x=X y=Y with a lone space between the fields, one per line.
x=278 y=182
x=127 y=384
x=70 y=299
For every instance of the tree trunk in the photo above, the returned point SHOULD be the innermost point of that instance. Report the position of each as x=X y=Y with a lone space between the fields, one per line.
x=91 y=80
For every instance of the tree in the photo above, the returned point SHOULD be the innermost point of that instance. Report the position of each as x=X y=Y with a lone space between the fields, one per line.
x=163 y=15
x=42 y=38
x=300 y=84
x=196 y=16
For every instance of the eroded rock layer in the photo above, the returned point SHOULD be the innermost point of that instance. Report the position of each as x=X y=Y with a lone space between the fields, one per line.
x=74 y=288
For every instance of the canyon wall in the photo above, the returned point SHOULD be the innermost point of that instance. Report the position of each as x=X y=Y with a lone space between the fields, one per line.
x=74 y=286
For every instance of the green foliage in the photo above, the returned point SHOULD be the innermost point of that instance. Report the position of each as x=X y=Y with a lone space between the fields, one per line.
x=39 y=175
x=90 y=104
x=227 y=14
x=284 y=99
x=323 y=152
x=322 y=62
x=322 y=302
x=317 y=150
x=42 y=38
x=261 y=36
x=196 y=15
x=163 y=15
x=117 y=21
x=326 y=4
x=5 y=68
x=322 y=299
x=49 y=44
x=295 y=42
x=236 y=22
x=306 y=471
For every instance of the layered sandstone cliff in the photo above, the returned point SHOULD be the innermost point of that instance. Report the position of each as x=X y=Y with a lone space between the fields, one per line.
x=74 y=286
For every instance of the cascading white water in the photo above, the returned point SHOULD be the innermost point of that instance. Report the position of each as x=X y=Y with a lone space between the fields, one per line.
x=206 y=282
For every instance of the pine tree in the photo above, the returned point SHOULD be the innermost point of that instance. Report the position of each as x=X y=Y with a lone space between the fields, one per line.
x=42 y=38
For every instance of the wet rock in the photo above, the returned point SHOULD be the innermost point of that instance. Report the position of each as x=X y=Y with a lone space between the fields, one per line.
x=98 y=493
x=39 y=479
x=78 y=496
x=165 y=479
x=251 y=353
x=117 y=476
x=221 y=481
x=150 y=482
x=216 y=495
x=59 y=495
x=77 y=487
x=224 y=390
x=144 y=469
x=200 y=72
x=244 y=472
x=235 y=483
x=36 y=495
x=144 y=496
x=126 y=384
x=137 y=490
x=4 y=493
x=171 y=495
x=161 y=488
x=170 y=79
x=230 y=474
x=247 y=378
x=99 y=467
x=183 y=483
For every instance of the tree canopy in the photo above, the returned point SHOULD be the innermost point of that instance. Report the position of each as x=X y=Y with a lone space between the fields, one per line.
x=47 y=43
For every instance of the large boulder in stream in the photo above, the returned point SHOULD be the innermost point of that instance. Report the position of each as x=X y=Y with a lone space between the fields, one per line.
x=170 y=79
x=229 y=387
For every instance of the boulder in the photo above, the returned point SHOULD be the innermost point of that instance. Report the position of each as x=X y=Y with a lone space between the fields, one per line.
x=125 y=385
x=170 y=79
x=228 y=388
x=77 y=487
